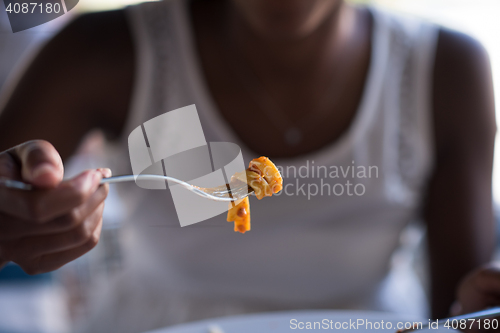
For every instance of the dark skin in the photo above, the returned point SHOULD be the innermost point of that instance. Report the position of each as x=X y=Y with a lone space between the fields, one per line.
x=458 y=209
x=284 y=67
x=479 y=290
x=95 y=73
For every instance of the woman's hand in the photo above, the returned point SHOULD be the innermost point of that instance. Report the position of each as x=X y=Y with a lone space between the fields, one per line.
x=43 y=229
x=478 y=290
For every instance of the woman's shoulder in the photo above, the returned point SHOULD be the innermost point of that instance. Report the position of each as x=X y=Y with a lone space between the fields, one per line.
x=93 y=57
x=449 y=40
x=460 y=82
x=464 y=111
x=462 y=50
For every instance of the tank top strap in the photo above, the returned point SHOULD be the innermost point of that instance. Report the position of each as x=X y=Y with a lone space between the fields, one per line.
x=405 y=111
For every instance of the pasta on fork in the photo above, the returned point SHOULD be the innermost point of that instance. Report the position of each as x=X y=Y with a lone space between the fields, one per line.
x=265 y=179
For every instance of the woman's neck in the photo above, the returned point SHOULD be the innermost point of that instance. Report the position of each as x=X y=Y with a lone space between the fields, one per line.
x=298 y=57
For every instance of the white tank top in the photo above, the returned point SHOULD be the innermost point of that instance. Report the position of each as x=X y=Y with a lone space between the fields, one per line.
x=325 y=250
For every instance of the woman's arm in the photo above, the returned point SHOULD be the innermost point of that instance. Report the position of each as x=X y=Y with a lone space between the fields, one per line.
x=458 y=209
x=80 y=80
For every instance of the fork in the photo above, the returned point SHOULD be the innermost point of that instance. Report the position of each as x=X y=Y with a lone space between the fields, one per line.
x=219 y=193
x=488 y=313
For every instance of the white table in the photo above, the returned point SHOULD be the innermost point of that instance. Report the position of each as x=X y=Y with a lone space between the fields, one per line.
x=292 y=321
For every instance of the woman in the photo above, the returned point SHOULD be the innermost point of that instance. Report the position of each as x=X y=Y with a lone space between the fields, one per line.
x=302 y=82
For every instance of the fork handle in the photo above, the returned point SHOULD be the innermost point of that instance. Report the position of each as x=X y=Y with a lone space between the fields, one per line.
x=132 y=178
x=118 y=179
x=16 y=184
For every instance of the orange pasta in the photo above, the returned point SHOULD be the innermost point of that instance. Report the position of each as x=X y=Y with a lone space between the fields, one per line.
x=265 y=179
x=265 y=168
x=240 y=214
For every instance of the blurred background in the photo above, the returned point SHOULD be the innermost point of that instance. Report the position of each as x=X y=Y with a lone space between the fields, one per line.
x=56 y=302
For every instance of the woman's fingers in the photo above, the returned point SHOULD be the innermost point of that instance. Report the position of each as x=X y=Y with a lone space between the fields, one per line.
x=55 y=223
x=480 y=289
x=40 y=206
x=40 y=163
x=50 y=262
x=28 y=248
x=9 y=166
x=490 y=280
x=13 y=228
x=77 y=215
